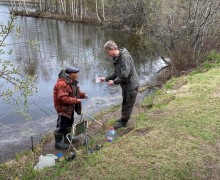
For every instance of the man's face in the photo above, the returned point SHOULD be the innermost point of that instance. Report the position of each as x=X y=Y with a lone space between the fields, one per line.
x=112 y=53
x=73 y=76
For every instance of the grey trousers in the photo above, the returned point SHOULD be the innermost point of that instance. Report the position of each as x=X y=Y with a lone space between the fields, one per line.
x=129 y=98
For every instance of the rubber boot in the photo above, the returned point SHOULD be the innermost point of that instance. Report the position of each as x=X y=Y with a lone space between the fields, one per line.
x=120 y=124
x=70 y=136
x=58 y=142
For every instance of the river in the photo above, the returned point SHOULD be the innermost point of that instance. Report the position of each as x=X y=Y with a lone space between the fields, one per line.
x=62 y=44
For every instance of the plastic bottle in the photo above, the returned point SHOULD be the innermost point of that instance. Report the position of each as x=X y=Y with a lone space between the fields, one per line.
x=60 y=156
x=110 y=135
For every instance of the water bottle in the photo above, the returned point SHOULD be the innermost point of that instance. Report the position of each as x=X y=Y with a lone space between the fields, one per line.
x=110 y=135
x=60 y=156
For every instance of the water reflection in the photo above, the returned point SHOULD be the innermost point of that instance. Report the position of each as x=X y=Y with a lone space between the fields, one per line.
x=62 y=44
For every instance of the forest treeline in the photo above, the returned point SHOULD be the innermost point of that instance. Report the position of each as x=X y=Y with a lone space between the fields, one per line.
x=183 y=30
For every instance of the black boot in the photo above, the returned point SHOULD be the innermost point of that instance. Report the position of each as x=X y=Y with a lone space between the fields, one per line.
x=58 y=141
x=119 y=124
x=118 y=120
x=70 y=136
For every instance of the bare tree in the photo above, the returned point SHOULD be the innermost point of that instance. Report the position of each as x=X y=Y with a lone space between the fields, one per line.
x=127 y=15
x=103 y=9
x=187 y=30
x=97 y=12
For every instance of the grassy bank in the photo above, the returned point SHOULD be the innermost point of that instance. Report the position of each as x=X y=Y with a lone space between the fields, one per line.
x=177 y=138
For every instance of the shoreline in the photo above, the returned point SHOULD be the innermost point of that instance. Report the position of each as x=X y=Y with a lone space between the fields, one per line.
x=54 y=16
x=18 y=139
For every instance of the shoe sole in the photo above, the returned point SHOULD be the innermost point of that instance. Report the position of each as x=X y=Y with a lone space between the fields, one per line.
x=118 y=127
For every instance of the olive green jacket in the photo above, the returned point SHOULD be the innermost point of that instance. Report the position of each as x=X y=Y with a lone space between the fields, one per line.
x=124 y=71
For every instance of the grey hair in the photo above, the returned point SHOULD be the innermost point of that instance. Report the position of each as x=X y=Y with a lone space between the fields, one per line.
x=109 y=45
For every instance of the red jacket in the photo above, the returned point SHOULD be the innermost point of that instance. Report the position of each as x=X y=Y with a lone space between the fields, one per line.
x=66 y=93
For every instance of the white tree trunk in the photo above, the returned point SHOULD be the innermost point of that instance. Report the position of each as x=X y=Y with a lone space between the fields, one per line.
x=12 y=7
x=85 y=8
x=81 y=9
x=103 y=9
x=76 y=8
x=62 y=7
x=73 y=9
x=40 y=6
x=96 y=7
x=25 y=8
x=19 y=5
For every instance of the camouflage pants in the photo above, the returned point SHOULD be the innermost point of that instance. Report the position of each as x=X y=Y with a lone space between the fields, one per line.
x=129 y=98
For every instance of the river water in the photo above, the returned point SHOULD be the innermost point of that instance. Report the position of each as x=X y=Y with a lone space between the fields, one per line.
x=62 y=44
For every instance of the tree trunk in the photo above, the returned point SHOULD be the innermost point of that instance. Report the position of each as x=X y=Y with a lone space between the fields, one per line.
x=25 y=8
x=97 y=13
x=73 y=9
x=103 y=9
x=81 y=10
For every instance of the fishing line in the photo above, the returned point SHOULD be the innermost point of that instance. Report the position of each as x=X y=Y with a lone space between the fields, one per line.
x=44 y=107
x=41 y=108
x=7 y=127
x=5 y=115
x=4 y=124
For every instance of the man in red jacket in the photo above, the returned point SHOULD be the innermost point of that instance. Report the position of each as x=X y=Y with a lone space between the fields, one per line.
x=67 y=99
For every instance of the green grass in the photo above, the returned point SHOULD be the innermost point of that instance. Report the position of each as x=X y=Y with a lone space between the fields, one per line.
x=176 y=138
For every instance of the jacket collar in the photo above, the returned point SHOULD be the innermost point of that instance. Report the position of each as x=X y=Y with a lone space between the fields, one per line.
x=115 y=59
x=63 y=76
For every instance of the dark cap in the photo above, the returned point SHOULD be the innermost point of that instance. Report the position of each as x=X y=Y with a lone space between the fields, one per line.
x=71 y=70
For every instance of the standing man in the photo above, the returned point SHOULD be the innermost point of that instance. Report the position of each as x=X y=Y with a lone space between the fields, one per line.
x=124 y=74
x=67 y=99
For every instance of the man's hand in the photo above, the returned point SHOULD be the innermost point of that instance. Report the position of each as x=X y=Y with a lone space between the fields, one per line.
x=85 y=96
x=101 y=79
x=110 y=83
x=78 y=100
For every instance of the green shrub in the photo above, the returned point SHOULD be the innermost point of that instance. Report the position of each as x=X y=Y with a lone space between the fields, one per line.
x=213 y=57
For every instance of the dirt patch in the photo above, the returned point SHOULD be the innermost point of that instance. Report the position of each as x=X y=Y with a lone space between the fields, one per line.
x=179 y=84
x=141 y=132
x=49 y=148
x=124 y=131
x=157 y=112
x=216 y=95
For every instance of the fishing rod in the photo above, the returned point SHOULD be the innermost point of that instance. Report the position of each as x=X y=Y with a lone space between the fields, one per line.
x=39 y=104
x=7 y=127
x=93 y=119
x=41 y=108
x=3 y=117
